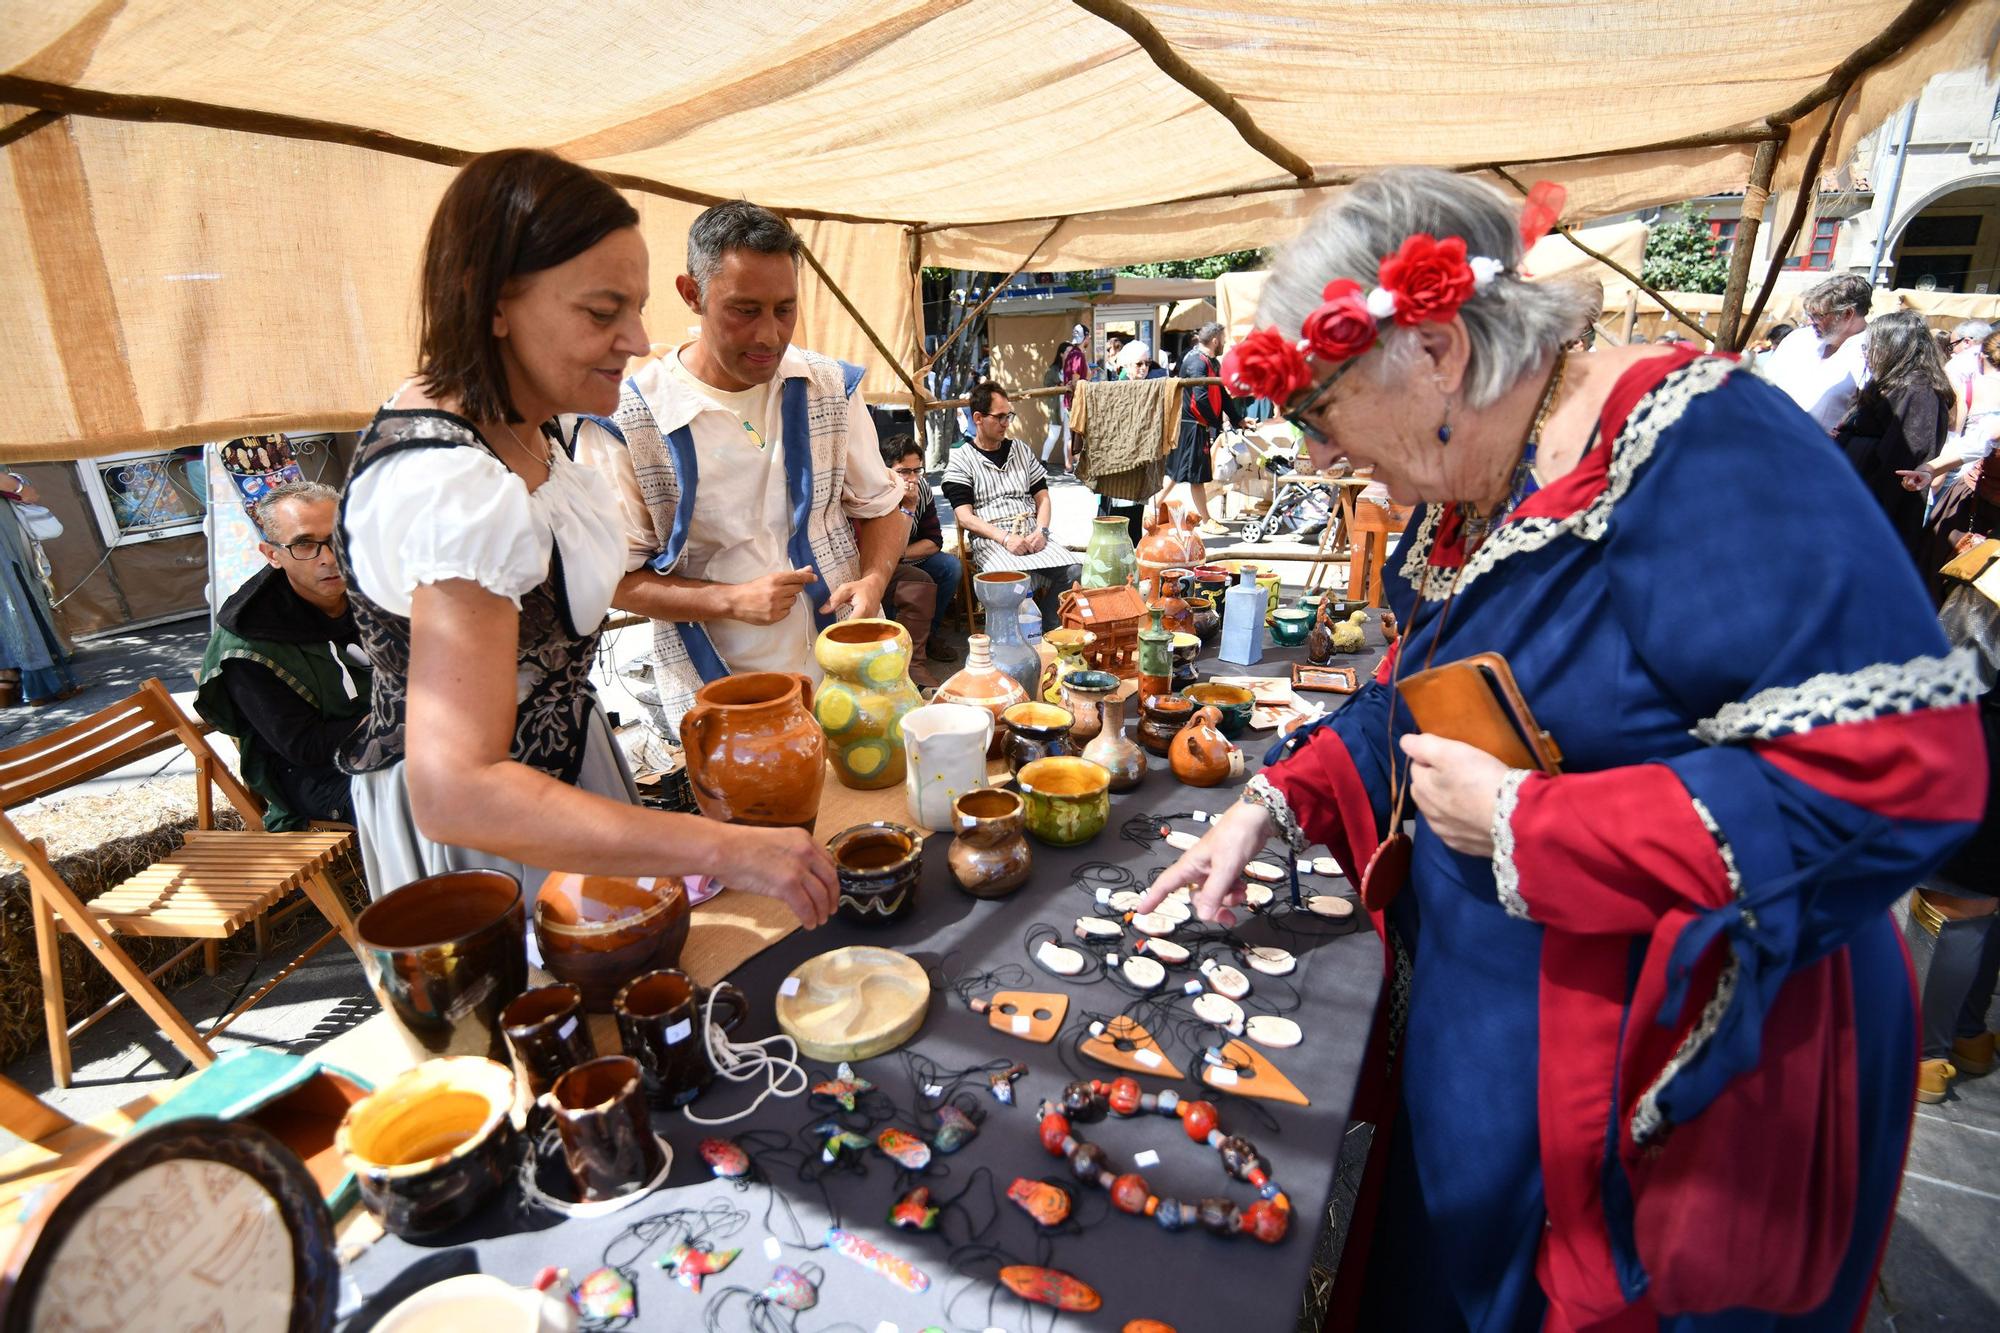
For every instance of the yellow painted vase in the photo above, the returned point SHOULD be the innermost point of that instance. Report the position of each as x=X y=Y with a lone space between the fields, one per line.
x=860 y=704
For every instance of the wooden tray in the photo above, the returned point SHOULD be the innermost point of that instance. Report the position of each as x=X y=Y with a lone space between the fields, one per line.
x=853 y=1003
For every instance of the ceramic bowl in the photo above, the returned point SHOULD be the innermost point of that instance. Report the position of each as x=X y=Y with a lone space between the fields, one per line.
x=1290 y=625
x=597 y=932
x=1068 y=799
x=431 y=1146
x=1232 y=703
x=445 y=954
x=1035 y=731
x=879 y=865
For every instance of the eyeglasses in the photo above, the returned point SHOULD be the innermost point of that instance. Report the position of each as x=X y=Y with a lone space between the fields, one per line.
x=1300 y=414
x=1002 y=417
x=305 y=548
x=1824 y=318
x=908 y=471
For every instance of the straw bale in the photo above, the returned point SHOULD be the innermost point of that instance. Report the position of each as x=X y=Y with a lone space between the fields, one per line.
x=94 y=841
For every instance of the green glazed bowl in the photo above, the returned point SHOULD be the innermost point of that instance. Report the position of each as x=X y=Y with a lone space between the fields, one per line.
x=1290 y=625
x=1233 y=702
x=1068 y=799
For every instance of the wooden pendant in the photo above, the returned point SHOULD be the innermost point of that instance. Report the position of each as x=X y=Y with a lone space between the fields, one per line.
x=1327 y=904
x=1031 y=1015
x=1125 y=1044
x=1252 y=1076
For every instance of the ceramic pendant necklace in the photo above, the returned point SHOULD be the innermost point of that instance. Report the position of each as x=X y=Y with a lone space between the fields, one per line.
x=1048 y=1204
x=1258 y=896
x=1273 y=1030
x=1242 y=1069
x=1328 y=905
x=904 y=1148
x=724 y=1158
x=1225 y=980
x=1153 y=923
x=844 y=1088
x=1181 y=841
x=1123 y=1043
x=1270 y=960
x=1097 y=928
x=1326 y=865
x=1267 y=1218
x=1219 y=1010
x=1002 y=1083
x=879 y=1261
x=793 y=1288
x=956 y=1128
x=1173 y=955
x=1265 y=872
x=1050 y=1286
x=1144 y=973
x=1126 y=900
x=1175 y=908
x=914 y=1211
x=1059 y=959
x=690 y=1265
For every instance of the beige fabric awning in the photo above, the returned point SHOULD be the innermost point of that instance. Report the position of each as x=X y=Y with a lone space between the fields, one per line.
x=210 y=216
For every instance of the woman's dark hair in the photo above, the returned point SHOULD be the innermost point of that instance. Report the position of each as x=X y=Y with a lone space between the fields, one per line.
x=1903 y=358
x=1989 y=349
x=1062 y=350
x=505 y=215
x=1778 y=332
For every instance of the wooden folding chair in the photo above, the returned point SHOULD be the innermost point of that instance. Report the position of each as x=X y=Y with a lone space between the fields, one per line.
x=26 y=1116
x=218 y=881
x=975 y=614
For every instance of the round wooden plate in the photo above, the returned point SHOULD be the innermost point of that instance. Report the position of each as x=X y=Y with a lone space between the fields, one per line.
x=853 y=1003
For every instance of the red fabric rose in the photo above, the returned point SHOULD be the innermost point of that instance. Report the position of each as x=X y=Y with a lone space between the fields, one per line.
x=1341 y=326
x=1430 y=278
x=1266 y=365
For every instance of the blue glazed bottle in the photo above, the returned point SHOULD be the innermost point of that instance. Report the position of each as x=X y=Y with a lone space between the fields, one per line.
x=1243 y=608
x=1002 y=593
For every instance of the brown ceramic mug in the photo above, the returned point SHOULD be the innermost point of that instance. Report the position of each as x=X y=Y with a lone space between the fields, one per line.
x=445 y=954
x=546 y=1035
x=660 y=1016
x=607 y=1131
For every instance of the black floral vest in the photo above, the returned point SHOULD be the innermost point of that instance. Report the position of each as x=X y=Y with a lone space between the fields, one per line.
x=552 y=659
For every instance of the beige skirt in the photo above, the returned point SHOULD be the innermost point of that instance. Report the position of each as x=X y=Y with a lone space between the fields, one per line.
x=394 y=852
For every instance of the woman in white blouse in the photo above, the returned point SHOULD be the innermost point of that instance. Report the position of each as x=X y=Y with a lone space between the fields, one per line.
x=481 y=560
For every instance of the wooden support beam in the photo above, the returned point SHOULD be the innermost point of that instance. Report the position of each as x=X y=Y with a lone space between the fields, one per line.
x=63 y=100
x=1170 y=63
x=1808 y=190
x=980 y=309
x=1612 y=264
x=1045 y=391
x=27 y=125
x=881 y=347
x=1756 y=198
x=1906 y=27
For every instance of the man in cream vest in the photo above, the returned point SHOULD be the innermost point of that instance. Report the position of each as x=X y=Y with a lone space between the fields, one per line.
x=797 y=522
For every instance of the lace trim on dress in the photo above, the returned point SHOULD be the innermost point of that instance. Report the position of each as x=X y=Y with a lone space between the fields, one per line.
x=1651 y=418
x=1261 y=793
x=1506 y=876
x=1647 y=1119
x=1851 y=696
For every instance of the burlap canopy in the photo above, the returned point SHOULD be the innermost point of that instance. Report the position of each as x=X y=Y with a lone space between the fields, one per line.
x=210 y=214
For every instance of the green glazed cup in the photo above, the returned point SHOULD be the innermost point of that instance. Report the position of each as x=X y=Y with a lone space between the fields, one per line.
x=1068 y=799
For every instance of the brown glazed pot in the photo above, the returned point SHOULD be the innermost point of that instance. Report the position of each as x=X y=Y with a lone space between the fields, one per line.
x=445 y=954
x=547 y=1035
x=1160 y=720
x=1035 y=731
x=432 y=1145
x=597 y=932
x=607 y=1131
x=990 y=857
x=1207 y=620
x=1201 y=756
x=879 y=865
x=1176 y=616
x=754 y=753
x=660 y=1019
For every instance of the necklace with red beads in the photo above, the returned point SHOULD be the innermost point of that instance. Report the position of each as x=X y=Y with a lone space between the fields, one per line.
x=1086 y=1101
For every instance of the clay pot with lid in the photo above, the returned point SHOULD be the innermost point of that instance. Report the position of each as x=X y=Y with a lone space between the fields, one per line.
x=597 y=932
x=1201 y=755
x=755 y=755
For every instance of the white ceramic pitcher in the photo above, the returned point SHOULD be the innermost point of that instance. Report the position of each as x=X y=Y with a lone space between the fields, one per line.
x=946 y=744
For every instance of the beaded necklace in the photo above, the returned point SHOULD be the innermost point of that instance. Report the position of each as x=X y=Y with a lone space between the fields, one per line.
x=1084 y=1102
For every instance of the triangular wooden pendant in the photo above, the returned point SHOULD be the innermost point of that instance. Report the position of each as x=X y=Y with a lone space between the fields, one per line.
x=1252 y=1076
x=1140 y=1054
x=1020 y=1013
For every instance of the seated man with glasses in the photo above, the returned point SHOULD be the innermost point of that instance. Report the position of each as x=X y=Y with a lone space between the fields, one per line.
x=284 y=675
x=1000 y=494
x=1824 y=363
x=925 y=583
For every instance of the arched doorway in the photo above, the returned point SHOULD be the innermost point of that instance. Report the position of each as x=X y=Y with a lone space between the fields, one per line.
x=1949 y=238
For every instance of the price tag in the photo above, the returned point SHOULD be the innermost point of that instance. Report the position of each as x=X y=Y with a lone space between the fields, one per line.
x=933 y=1090
x=789 y=987
x=562 y=1033
x=886 y=1327
x=1201 y=816
x=1220 y=1077
x=678 y=1033
x=1146 y=1157
x=773 y=1250
x=1148 y=1058
x=1021 y=1025
x=1305 y=867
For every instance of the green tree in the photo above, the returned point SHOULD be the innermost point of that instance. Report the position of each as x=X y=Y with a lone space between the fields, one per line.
x=1213 y=266
x=1681 y=254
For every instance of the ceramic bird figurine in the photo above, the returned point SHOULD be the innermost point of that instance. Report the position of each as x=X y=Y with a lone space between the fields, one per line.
x=691 y=1265
x=1348 y=636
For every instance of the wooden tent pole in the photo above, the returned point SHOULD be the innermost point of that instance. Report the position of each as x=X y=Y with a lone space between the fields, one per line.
x=895 y=363
x=980 y=309
x=27 y=125
x=1170 y=63
x=1756 y=198
x=1905 y=28
x=1808 y=190
x=1569 y=232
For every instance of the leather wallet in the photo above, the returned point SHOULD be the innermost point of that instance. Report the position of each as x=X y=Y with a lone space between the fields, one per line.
x=1477 y=701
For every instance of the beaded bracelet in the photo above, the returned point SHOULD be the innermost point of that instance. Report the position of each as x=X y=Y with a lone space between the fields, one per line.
x=1086 y=1101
